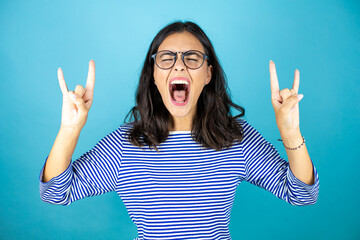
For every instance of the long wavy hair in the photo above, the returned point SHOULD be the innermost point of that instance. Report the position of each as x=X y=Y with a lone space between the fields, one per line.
x=213 y=126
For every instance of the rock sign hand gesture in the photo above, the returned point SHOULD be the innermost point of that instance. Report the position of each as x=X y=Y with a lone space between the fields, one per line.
x=285 y=103
x=76 y=105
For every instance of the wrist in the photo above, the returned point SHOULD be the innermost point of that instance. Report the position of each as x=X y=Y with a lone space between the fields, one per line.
x=292 y=140
x=69 y=131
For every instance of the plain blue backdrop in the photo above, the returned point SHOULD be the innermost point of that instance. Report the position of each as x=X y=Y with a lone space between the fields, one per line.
x=320 y=38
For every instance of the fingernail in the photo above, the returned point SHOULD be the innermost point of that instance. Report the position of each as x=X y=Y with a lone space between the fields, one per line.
x=300 y=96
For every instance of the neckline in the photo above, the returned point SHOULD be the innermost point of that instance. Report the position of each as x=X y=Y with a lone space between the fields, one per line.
x=180 y=131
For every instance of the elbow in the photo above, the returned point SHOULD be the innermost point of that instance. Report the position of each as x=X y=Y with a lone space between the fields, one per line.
x=63 y=199
x=55 y=201
x=302 y=199
x=302 y=202
x=303 y=195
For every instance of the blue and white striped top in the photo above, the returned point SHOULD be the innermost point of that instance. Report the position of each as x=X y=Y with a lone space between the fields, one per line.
x=184 y=191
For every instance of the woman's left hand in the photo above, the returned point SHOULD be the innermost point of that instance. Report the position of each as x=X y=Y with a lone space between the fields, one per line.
x=285 y=103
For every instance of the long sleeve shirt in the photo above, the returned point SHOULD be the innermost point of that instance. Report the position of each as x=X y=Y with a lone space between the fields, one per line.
x=183 y=190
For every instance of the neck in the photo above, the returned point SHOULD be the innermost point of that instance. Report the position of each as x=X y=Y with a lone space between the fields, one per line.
x=181 y=124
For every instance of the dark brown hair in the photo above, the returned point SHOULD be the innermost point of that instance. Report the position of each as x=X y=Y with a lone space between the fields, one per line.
x=213 y=126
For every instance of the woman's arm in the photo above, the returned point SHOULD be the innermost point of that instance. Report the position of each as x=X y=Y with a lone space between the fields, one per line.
x=94 y=173
x=299 y=159
x=264 y=167
x=75 y=108
x=61 y=153
x=286 y=108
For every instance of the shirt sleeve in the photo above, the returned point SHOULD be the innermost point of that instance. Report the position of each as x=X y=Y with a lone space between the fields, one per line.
x=266 y=169
x=94 y=173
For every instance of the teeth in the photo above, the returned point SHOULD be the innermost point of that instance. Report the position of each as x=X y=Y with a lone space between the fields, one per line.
x=179 y=82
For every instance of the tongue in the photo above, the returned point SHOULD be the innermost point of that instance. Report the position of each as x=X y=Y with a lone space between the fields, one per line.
x=179 y=95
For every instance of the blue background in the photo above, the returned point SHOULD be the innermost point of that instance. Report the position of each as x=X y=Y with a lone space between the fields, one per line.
x=320 y=38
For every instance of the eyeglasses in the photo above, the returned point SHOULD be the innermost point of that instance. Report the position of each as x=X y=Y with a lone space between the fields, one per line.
x=192 y=59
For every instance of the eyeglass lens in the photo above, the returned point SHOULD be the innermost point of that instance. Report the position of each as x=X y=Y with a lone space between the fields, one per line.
x=192 y=59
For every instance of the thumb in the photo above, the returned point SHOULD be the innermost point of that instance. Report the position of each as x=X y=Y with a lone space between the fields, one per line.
x=80 y=104
x=291 y=102
x=80 y=90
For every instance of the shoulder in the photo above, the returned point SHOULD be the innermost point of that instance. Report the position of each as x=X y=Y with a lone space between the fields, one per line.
x=124 y=130
x=126 y=127
x=243 y=123
x=249 y=132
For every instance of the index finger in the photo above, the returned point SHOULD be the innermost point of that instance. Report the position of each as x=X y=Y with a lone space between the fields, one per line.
x=62 y=83
x=274 y=83
x=90 y=82
x=296 y=80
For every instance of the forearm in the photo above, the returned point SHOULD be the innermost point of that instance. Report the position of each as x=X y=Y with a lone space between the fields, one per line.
x=299 y=159
x=61 y=153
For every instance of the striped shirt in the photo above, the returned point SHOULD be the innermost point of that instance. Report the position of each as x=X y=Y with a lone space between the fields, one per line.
x=183 y=191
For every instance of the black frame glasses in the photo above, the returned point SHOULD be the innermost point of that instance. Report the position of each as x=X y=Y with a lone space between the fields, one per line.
x=183 y=54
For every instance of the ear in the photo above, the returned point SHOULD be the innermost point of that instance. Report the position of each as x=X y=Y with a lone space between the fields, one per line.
x=209 y=74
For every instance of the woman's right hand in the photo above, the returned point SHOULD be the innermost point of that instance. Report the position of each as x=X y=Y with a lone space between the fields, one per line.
x=76 y=105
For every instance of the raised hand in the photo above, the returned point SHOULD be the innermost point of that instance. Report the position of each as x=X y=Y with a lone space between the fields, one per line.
x=76 y=105
x=285 y=103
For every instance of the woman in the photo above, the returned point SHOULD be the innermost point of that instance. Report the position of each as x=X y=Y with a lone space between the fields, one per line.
x=177 y=165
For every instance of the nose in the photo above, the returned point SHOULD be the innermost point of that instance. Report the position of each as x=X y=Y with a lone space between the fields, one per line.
x=179 y=64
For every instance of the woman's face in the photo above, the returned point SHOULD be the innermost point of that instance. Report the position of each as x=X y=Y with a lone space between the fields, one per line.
x=181 y=101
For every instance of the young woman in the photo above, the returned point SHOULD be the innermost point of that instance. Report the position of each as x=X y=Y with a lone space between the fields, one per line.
x=177 y=165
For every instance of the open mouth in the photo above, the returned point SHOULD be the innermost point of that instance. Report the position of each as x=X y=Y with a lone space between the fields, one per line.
x=179 y=91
